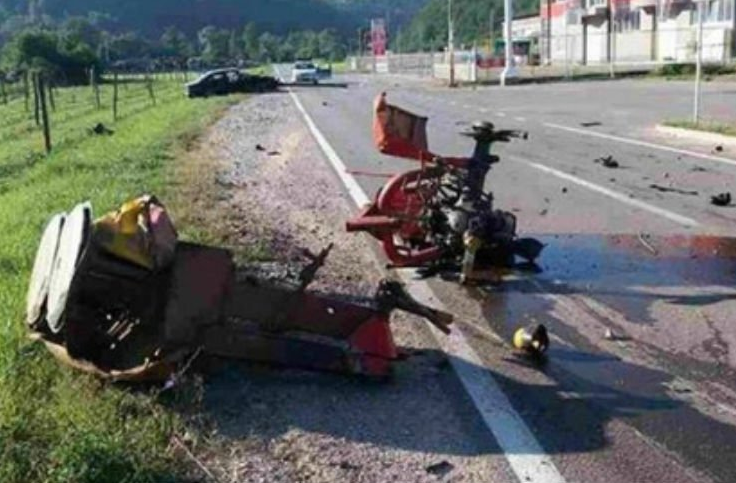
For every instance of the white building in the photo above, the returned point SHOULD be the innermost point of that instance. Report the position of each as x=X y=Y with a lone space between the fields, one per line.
x=593 y=31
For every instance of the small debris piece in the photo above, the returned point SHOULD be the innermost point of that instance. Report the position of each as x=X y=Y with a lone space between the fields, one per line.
x=260 y=148
x=669 y=189
x=324 y=103
x=643 y=240
x=722 y=199
x=698 y=169
x=591 y=123
x=274 y=153
x=544 y=212
x=609 y=335
x=101 y=130
x=564 y=190
x=607 y=162
x=440 y=469
x=719 y=148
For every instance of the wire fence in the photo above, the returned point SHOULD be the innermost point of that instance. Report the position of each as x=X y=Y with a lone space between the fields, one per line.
x=576 y=50
x=34 y=103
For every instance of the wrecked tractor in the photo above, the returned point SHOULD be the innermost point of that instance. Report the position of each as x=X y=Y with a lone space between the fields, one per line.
x=439 y=215
x=122 y=298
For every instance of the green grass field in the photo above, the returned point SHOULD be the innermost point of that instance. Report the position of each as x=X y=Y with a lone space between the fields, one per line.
x=57 y=425
x=717 y=127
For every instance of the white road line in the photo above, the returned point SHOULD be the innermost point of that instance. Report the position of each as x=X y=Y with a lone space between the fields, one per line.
x=636 y=142
x=483 y=109
x=501 y=114
x=672 y=216
x=523 y=452
x=520 y=119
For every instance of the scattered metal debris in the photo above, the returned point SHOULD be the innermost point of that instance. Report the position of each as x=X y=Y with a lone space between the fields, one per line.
x=698 y=169
x=669 y=189
x=440 y=469
x=609 y=335
x=274 y=153
x=564 y=190
x=260 y=148
x=607 y=161
x=718 y=148
x=591 y=124
x=722 y=199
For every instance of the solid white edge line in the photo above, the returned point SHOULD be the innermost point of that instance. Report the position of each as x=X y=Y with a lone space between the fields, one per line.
x=523 y=452
x=636 y=142
x=679 y=219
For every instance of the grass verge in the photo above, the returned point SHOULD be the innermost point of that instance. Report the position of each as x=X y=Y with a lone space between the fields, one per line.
x=56 y=425
x=727 y=129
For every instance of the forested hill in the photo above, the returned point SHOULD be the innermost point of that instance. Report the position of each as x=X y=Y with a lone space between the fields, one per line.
x=428 y=29
x=151 y=17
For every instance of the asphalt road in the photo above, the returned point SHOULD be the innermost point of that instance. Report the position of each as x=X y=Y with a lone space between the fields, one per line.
x=658 y=402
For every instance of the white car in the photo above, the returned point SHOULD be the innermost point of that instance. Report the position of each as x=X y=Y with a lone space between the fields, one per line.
x=304 y=72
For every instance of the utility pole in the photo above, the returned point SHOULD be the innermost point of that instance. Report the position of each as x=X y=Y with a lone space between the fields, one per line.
x=492 y=30
x=611 y=37
x=549 y=31
x=698 y=62
x=451 y=42
x=508 y=71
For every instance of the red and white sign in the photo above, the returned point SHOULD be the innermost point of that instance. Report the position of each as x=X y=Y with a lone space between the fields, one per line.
x=379 y=37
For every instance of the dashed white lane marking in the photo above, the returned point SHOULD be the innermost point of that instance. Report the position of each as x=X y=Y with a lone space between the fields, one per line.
x=636 y=142
x=672 y=216
x=520 y=119
x=523 y=452
x=483 y=109
x=501 y=114
x=453 y=103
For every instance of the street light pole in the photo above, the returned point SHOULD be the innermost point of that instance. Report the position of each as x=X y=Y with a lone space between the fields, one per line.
x=698 y=62
x=508 y=70
x=451 y=42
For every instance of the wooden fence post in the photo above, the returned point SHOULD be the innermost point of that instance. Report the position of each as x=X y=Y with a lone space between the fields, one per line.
x=94 y=86
x=36 y=101
x=115 y=97
x=149 y=85
x=44 y=113
x=26 y=91
x=3 y=92
x=52 y=98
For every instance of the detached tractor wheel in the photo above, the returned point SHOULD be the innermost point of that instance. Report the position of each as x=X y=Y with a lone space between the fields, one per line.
x=405 y=197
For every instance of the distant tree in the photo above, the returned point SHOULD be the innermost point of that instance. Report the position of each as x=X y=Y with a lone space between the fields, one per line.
x=129 y=45
x=235 y=46
x=251 y=46
x=174 y=43
x=214 y=43
x=41 y=50
x=268 y=46
x=80 y=30
x=330 y=46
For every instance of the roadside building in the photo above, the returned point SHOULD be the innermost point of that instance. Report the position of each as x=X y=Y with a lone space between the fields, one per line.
x=596 y=31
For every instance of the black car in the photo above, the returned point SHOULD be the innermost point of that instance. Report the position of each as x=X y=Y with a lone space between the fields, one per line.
x=228 y=81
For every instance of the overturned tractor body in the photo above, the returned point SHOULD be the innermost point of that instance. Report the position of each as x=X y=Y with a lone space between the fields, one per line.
x=122 y=298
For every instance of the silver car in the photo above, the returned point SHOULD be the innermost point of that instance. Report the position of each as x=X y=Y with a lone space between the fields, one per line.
x=304 y=72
